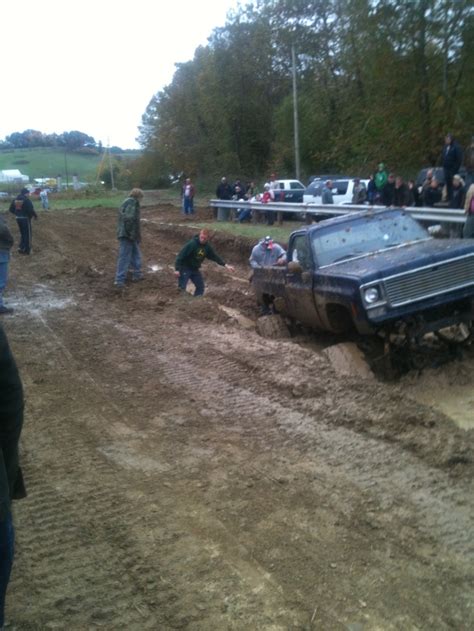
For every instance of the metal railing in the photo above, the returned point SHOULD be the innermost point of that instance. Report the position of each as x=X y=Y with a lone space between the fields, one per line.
x=430 y=215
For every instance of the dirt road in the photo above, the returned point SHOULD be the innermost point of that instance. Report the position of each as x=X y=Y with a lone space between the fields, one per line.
x=186 y=473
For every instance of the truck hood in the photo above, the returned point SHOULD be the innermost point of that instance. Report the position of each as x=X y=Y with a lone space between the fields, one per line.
x=399 y=259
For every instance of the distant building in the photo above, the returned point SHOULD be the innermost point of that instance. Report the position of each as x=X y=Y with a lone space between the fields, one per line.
x=13 y=176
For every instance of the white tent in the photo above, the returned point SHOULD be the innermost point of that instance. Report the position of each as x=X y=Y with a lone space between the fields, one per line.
x=13 y=175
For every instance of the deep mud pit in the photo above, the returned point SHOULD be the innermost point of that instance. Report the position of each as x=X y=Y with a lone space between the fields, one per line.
x=186 y=473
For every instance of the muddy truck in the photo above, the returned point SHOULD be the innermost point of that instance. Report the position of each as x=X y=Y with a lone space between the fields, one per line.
x=375 y=272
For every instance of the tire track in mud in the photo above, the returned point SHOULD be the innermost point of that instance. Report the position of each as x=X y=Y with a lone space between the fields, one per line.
x=67 y=558
x=399 y=474
x=66 y=545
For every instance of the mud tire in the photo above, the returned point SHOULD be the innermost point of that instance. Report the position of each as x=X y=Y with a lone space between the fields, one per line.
x=273 y=327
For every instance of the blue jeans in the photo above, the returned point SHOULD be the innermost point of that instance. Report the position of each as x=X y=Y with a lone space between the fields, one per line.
x=245 y=214
x=188 y=205
x=195 y=276
x=7 y=546
x=129 y=257
x=4 y=260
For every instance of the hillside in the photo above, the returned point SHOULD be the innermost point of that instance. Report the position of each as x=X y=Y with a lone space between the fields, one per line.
x=43 y=162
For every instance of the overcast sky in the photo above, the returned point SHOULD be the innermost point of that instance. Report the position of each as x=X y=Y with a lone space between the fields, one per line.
x=93 y=65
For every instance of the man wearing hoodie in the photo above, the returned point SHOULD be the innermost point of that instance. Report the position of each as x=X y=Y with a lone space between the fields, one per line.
x=190 y=258
x=24 y=211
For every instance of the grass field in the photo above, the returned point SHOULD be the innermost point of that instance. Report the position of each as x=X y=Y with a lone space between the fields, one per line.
x=44 y=162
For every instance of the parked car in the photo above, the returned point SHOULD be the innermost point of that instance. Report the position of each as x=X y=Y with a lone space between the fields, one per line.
x=289 y=191
x=374 y=271
x=342 y=190
x=325 y=177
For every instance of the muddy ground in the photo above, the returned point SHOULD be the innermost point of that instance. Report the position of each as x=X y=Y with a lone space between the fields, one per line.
x=186 y=473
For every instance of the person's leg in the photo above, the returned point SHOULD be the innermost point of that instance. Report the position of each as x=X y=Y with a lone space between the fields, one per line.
x=29 y=236
x=136 y=262
x=4 y=263
x=7 y=546
x=187 y=208
x=123 y=261
x=468 y=228
x=183 y=279
x=21 y=245
x=198 y=280
x=191 y=205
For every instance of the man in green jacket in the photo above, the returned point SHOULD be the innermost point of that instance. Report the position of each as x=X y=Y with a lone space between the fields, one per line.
x=189 y=261
x=128 y=234
x=11 y=480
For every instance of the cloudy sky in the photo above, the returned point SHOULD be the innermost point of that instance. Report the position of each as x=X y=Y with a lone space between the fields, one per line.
x=93 y=65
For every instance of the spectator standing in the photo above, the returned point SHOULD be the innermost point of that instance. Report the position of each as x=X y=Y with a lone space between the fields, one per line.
x=273 y=186
x=459 y=192
x=223 y=191
x=24 y=211
x=432 y=194
x=451 y=160
x=267 y=197
x=11 y=480
x=469 y=162
x=468 y=228
x=326 y=195
x=359 y=192
x=44 y=199
x=426 y=184
x=388 y=191
x=189 y=261
x=413 y=195
x=187 y=195
x=380 y=179
x=129 y=237
x=401 y=194
x=6 y=242
x=371 y=191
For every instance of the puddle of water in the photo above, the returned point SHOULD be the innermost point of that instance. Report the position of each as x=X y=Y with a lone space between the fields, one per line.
x=42 y=299
x=155 y=268
x=457 y=404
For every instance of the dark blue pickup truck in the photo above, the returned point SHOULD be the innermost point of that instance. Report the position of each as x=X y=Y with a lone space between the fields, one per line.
x=376 y=271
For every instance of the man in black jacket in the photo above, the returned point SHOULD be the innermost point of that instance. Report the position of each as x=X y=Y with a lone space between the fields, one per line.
x=11 y=479
x=24 y=211
x=224 y=191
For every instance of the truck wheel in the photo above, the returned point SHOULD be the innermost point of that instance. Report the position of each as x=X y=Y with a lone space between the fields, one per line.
x=273 y=327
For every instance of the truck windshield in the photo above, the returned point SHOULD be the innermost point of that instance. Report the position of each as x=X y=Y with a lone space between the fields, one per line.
x=364 y=235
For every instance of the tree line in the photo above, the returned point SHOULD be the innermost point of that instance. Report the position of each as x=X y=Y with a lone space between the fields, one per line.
x=30 y=138
x=377 y=80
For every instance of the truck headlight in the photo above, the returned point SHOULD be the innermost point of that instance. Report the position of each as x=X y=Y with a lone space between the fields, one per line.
x=371 y=295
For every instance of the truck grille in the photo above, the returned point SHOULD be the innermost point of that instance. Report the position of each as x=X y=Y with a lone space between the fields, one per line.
x=430 y=281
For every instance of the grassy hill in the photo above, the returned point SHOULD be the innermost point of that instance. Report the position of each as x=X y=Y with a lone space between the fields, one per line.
x=44 y=162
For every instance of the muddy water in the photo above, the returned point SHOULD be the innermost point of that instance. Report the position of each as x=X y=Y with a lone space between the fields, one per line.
x=457 y=403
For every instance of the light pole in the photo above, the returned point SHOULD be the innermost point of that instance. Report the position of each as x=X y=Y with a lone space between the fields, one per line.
x=295 y=114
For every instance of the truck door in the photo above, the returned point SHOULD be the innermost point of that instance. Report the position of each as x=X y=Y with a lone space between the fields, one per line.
x=300 y=301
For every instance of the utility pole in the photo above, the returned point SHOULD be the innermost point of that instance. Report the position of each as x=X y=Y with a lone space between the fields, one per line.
x=111 y=168
x=295 y=114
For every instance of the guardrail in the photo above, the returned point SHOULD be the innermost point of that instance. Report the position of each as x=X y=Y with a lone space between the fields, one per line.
x=431 y=215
